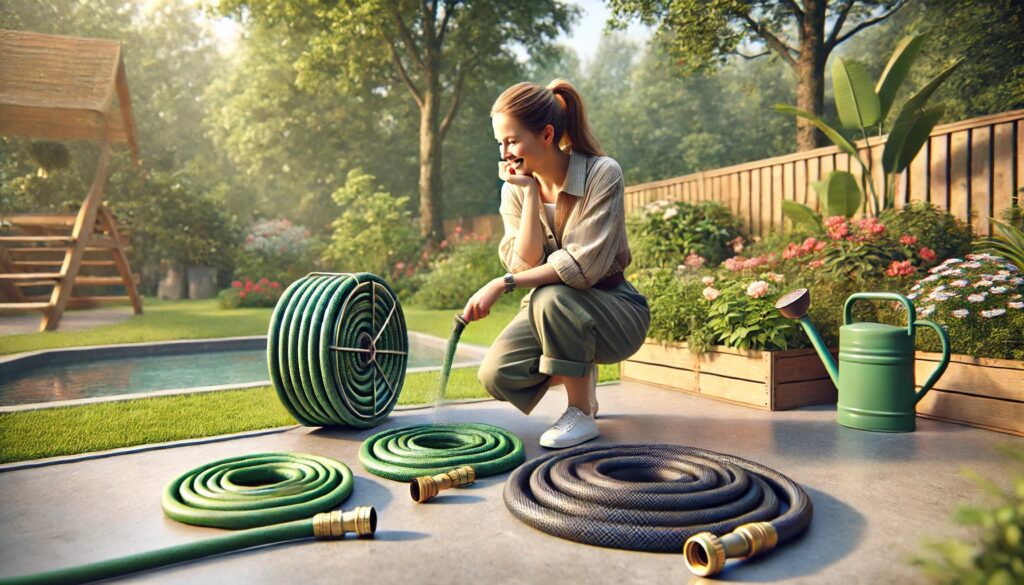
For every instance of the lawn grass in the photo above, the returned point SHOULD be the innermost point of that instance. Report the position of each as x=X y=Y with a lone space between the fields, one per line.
x=108 y=425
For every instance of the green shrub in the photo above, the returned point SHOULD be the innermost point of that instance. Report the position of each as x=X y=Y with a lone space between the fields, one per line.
x=677 y=307
x=278 y=250
x=741 y=313
x=665 y=233
x=248 y=293
x=980 y=302
x=375 y=230
x=455 y=276
x=996 y=555
x=932 y=228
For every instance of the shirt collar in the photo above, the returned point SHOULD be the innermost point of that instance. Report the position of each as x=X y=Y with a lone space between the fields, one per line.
x=576 y=176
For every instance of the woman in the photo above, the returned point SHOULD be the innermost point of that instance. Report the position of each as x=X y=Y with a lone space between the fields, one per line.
x=565 y=238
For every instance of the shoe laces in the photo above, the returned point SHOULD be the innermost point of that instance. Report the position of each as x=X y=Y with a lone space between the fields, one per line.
x=568 y=419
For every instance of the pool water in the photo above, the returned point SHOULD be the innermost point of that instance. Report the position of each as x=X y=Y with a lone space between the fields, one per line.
x=130 y=375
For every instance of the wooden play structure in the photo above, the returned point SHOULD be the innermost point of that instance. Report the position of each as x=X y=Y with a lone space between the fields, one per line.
x=65 y=88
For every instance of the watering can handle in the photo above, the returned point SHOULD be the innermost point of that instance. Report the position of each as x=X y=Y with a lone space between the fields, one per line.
x=880 y=296
x=942 y=364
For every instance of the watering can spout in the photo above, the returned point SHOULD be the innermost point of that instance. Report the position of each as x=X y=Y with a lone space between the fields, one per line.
x=794 y=305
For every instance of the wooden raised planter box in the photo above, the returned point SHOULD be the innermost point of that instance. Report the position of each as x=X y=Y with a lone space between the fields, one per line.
x=769 y=380
x=980 y=392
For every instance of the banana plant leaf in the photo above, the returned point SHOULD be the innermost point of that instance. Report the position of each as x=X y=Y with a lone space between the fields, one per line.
x=856 y=101
x=896 y=71
x=802 y=215
x=908 y=135
x=833 y=134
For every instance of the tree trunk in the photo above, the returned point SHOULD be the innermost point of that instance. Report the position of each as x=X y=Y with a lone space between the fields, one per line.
x=810 y=73
x=431 y=218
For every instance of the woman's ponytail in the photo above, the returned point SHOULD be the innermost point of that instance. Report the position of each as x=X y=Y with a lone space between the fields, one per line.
x=577 y=129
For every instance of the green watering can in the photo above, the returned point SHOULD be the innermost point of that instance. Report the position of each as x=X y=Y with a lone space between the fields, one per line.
x=875 y=375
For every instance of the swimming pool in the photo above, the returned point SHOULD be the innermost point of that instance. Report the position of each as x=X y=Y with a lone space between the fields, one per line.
x=75 y=374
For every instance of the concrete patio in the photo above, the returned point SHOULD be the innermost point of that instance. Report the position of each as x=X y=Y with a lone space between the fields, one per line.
x=876 y=497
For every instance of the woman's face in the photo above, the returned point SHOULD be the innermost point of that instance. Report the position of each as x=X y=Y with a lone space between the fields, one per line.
x=519 y=146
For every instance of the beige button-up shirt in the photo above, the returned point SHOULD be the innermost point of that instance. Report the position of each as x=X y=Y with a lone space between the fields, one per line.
x=588 y=239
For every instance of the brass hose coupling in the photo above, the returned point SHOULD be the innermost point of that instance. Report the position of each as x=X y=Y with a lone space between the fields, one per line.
x=334 y=525
x=706 y=553
x=423 y=488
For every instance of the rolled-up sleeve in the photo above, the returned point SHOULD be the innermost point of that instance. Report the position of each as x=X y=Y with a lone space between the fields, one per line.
x=511 y=210
x=589 y=248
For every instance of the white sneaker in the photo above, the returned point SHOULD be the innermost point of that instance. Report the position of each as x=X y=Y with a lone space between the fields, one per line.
x=572 y=428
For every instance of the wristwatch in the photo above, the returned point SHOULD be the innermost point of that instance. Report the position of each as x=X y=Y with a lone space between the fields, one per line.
x=510 y=282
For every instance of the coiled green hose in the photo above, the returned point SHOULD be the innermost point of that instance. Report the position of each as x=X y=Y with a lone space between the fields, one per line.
x=278 y=493
x=337 y=349
x=409 y=452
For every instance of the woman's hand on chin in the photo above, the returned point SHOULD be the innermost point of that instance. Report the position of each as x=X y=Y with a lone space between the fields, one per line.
x=479 y=305
x=508 y=174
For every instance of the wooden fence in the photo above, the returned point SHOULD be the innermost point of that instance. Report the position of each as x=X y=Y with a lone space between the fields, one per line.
x=972 y=168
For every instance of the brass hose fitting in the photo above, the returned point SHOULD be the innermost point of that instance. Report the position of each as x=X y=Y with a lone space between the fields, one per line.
x=706 y=553
x=334 y=525
x=423 y=488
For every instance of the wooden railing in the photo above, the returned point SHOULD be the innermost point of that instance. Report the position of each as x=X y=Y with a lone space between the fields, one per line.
x=972 y=168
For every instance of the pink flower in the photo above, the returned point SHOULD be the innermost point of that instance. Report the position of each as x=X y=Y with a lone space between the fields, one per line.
x=900 y=268
x=693 y=260
x=275 y=284
x=774 y=277
x=399 y=266
x=257 y=288
x=737 y=244
x=871 y=227
x=837 y=227
x=711 y=293
x=927 y=254
x=908 y=240
x=236 y=284
x=757 y=289
x=241 y=294
x=815 y=264
x=443 y=244
x=248 y=285
x=708 y=280
x=264 y=281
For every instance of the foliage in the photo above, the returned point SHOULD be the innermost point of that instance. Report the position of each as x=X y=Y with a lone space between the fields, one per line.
x=1008 y=244
x=742 y=314
x=677 y=308
x=931 y=227
x=456 y=275
x=375 y=229
x=980 y=302
x=860 y=107
x=996 y=555
x=263 y=293
x=666 y=231
x=278 y=249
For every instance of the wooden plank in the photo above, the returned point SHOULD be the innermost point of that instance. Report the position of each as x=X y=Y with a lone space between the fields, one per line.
x=1002 y=169
x=659 y=376
x=776 y=201
x=877 y=177
x=800 y=182
x=38 y=306
x=981 y=166
x=959 y=177
x=917 y=175
x=672 y=355
x=36 y=239
x=813 y=174
x=755 y=202
x=744 y=201
x=31 y=276
x=741 y=391
x=938 y=190
x=964 y=377
x=987 y=413
x=788 y=184
x=828 y=164
x=796 y=394
x=740 y=367
x=734 y=194
x=798 y=366
x=1019 y=157
x=766 y=202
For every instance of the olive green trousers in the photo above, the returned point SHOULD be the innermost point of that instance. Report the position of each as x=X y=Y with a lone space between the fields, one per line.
x=560 y=330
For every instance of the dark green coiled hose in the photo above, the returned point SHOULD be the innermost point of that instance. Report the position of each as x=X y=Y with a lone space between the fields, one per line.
x=406 y=453
x=337 y=349
x=273 y=495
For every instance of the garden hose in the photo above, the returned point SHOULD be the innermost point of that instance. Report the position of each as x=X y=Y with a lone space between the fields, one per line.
x=337 y=349
x=458 y=325
x=658 y=498
x=406 y=453
x=275 y=497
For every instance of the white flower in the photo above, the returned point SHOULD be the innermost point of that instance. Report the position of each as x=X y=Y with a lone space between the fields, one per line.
x=972 y=265
x=1017 y=296
x=708 y=280
x=998 y=290
x=983 y=283
x=757 y=289
x=931 y=278
x=1000 y=278
x=1017 y=280
x=940 y=287
x=916 y=287
x=960 y=313
x=911 y=296
x=1004 y=272
x=953 y=260
x=775 y=277
x=925 y=311
x=670 y=213
x=976 y=298
x=993 y=313
x=711 y=293
x=959 y=283
x=1015 y=305
x=940 y=296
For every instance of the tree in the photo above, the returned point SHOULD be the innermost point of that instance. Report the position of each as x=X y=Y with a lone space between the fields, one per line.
x=703 y=33
x=429 y=48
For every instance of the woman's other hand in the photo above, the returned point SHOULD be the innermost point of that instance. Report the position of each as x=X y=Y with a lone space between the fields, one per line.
x=479 y=305
x=508 y=174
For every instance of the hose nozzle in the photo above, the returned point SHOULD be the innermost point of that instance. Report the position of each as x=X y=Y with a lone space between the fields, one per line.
x=334 y=525
x=423 y=488
x=706 y=553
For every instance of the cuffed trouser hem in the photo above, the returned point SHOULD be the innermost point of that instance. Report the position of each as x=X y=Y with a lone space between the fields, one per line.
x=556 y=367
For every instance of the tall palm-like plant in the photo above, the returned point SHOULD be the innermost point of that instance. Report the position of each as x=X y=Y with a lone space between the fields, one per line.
x=863 y=108
x=1009 y=243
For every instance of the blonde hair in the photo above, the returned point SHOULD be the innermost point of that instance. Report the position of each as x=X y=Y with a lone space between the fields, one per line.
x=558 y=104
